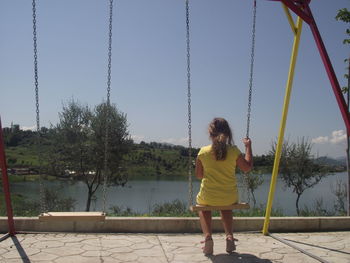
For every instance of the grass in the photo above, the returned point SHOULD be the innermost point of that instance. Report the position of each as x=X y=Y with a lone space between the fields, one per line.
x=30 y=178
x=178 y=208
x=21 y=156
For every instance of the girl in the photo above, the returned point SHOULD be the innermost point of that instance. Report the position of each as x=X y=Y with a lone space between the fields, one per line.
x=215 y=166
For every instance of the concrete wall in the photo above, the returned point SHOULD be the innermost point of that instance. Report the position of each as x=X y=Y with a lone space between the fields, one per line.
x=177 y=224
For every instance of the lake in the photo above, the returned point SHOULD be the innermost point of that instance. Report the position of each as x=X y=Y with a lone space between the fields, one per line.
x=142 y=195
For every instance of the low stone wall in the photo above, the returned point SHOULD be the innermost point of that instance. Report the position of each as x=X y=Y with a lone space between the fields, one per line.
x=177 y=224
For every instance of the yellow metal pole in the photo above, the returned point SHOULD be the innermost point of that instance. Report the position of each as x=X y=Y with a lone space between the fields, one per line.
x=290 y=19
x=282 y=125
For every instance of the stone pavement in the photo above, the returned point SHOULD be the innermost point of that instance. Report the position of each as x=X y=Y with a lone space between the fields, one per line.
x=175 y=248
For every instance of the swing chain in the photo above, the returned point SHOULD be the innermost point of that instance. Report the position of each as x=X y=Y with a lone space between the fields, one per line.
x=36 y=83
x=189 y=103
x=105 y=176
x=251 y=70
x=246 y=175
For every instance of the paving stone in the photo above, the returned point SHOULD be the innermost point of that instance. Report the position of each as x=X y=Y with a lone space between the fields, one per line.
x=173 y=248
x=337 y=259
x=136 y=239
x=92 y=241
x=271 y=256
x=74 y=244
x=193 y=258
x=109 y=260
x=120 y=250
x=142 y=245
x=298 y=258
x=152 y=260
x=43 y=256
x=48 y=244
x=88 y=247
x=156 y=251
x=12 y=255
x=96 y=253
x=77 y=259
x=63 y=251
x=14 y=261
x=125 y=257
x=115 y=243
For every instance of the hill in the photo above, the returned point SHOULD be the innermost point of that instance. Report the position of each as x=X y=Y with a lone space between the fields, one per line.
x=145 y=160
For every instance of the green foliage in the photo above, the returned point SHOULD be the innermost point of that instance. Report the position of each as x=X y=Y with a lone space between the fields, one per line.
x=79 y=144
x=340 y=192
x=157 y=160
x=298 y=168
x=174 y=208
x=343 y=15
x=258 y=211
x=318 y=211
x=121 y=211
x=177 y=208
x=23 y=207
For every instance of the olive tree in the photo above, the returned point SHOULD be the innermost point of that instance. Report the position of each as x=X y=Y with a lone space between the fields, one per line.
x=80 y=144
x=298 y=169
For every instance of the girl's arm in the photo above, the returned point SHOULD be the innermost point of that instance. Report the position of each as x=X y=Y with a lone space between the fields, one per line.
x=246 y=163
x=199 y=169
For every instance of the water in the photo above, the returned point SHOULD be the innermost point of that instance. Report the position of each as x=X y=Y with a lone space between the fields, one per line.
x=142 y=195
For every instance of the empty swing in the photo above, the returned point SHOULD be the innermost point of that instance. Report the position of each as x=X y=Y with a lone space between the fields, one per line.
x=235 y=206
x=45 y=215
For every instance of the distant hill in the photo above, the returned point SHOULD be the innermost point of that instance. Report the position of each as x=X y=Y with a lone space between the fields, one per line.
x=144 y=160
x=330 y=161
x=337 y=165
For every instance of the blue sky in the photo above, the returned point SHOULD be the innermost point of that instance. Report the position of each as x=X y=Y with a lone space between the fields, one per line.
x=149 y=67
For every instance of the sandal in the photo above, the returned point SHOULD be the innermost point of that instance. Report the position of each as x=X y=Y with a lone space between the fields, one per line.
x=230 y=244
x=208 y=248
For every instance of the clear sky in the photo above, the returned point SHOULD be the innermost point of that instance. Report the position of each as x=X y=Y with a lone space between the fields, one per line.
x=149 y=67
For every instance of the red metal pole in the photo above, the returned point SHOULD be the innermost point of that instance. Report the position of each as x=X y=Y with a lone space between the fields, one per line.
x=297 y=10
x=5 y=183
x=302 y=9
x=330 y=71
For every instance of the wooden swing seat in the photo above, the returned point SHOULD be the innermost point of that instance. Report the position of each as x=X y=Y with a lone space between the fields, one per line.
x=236 y=206
x=72 y=216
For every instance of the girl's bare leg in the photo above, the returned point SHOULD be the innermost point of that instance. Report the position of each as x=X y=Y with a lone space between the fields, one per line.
x=226 y=218
x=205 y=220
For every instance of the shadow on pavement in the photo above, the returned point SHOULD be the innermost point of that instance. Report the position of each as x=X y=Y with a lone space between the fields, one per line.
x=317 y=246
x=20 y=250
x=237 y=257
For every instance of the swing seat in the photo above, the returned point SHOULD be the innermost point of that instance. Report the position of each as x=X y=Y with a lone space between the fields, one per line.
x=236 y=206
x=72 y=216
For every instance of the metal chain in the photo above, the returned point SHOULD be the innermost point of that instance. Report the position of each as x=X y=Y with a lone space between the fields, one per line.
x=190 y=194
x=246 y=175
x=251 y=70
x=105 y=177
x=36 y=83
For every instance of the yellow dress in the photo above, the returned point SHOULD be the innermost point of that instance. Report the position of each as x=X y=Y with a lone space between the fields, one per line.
x=219 y=184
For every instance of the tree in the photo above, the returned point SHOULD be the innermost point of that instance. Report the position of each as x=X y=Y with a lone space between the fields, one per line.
x=298 y=169
x=80 y=144
x=344 y=15
x=252 y=182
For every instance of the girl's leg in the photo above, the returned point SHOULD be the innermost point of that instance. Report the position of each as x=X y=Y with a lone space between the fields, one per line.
x=205 y=220
x=226 y=217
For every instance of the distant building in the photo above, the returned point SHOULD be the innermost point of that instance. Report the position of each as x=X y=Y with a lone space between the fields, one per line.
x=14 y=127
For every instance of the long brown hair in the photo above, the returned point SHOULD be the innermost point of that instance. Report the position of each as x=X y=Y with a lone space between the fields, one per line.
x=221 y=136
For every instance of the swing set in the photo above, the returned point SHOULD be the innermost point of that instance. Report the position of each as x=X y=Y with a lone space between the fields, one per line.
x=303 y=12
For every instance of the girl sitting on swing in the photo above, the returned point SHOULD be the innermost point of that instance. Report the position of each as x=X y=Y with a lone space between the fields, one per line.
x=215 y=166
